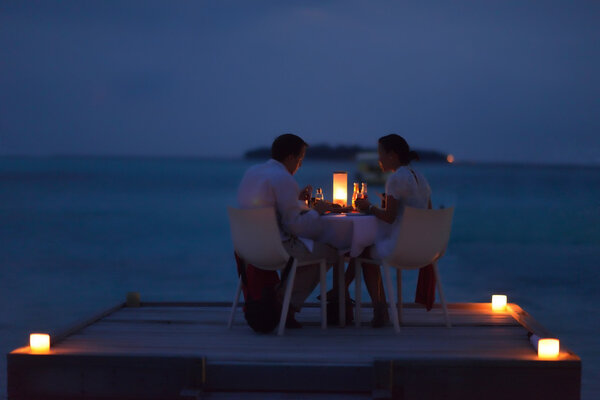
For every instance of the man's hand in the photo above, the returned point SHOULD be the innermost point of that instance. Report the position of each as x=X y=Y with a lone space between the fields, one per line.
x=305 y=193
x=321 y=207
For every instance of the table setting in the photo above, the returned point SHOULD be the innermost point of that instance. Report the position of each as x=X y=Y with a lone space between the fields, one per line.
x=345 y=227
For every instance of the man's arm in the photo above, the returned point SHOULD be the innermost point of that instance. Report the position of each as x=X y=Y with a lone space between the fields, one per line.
x=293 y=219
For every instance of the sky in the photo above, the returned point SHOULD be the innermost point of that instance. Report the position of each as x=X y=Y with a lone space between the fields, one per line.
x=494 y=81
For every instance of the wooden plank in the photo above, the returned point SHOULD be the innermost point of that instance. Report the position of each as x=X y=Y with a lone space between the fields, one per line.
x=134 y=351
x=285 y=396
x=479 y=379
x=470 y=306
x=58 y=337
x=289 y=377
x=216 y=315
x=76 y=377
x=528 y=321
x=504 y=342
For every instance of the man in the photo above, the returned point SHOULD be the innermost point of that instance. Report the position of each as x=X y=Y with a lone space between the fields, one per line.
x=272 y=184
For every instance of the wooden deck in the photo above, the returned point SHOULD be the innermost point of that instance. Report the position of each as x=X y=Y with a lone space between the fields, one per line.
x=183 y=350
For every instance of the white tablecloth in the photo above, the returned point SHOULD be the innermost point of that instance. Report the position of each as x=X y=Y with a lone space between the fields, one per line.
x=349 y=232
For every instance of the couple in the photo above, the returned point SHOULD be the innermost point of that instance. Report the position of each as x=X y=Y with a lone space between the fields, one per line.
x=271 y=184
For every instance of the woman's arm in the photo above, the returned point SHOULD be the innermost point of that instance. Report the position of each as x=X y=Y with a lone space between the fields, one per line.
x=387 y=214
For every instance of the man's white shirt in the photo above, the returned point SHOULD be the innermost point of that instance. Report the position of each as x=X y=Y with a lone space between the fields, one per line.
x=271 y=185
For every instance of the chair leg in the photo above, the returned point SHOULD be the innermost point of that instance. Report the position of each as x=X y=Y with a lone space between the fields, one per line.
x=357 y=291
x=399 y=293
x=390 y=298
x=286 y=299
x=441 y=292
x=341 y=293
x=323 y=284
x=236 y=299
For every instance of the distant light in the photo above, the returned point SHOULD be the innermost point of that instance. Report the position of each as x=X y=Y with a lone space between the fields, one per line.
x=499 y=302
x=39 y=342
x=548 y=348
x=450 y=158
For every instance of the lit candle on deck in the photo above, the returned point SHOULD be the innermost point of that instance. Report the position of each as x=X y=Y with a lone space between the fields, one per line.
x=340 y=188
x=499 y=302
x=548 y=348
x=39 y=342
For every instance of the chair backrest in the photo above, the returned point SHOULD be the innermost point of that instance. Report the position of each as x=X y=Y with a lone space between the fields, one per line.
x=256 y=237
x=422 y=238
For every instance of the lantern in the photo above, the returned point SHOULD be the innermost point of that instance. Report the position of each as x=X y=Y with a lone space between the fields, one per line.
x=548 y=348
x=498 y=302
x=340 y=188
x=39 y=342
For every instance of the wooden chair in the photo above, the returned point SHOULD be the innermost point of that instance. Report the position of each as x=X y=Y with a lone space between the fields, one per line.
x=421 y=241
x=256 y=239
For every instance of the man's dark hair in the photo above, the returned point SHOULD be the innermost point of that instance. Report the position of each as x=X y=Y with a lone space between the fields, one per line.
x=398 y=145
x=285 y=145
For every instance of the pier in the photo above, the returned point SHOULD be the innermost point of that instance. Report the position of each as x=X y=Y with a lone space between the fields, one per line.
x=161 y=350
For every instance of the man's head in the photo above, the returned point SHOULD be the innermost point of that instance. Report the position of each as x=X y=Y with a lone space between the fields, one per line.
x=289 y=150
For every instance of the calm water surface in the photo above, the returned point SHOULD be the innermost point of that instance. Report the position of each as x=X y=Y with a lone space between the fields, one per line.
x=76 y=234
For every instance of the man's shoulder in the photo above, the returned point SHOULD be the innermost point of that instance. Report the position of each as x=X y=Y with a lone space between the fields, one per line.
x=270 y=173
x=257 y=170
x=268 y=169
x=259 y=166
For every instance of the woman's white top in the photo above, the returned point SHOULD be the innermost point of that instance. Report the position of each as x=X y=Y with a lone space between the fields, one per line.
x=410 y=188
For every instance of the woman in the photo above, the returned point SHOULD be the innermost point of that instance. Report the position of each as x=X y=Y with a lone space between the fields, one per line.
x=404 y=187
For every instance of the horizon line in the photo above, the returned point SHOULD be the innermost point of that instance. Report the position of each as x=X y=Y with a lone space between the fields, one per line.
x=242 y=158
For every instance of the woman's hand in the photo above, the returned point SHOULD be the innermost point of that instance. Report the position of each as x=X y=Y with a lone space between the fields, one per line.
x=363 y=204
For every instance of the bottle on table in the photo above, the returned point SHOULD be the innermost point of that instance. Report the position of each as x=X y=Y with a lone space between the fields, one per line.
x=363 y=191
x=308 y=198
x=319 y=195
x=355 y=194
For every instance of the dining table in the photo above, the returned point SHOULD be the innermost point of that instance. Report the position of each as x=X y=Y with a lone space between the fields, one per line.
x=350 y=233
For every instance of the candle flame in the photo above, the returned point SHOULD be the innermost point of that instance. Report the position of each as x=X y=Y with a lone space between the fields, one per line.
x=340 y=188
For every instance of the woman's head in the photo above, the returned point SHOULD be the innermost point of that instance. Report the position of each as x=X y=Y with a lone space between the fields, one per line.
x=394 y=152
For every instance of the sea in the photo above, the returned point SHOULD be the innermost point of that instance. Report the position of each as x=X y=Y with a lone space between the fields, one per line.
x=78 y=233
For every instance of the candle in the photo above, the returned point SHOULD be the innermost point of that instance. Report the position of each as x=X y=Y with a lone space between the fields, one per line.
x=340 y=188
x=498 y=302
x=39 y=342
x=548 y=348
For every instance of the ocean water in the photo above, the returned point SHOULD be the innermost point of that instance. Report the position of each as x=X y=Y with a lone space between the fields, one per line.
x=77 y=234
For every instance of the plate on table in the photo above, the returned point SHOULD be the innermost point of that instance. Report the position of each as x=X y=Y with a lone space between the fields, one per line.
x=356 y=214
x=345 y=214
x=341 y=210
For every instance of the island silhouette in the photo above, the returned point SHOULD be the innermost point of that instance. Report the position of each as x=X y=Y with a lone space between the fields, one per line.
x=342 y=152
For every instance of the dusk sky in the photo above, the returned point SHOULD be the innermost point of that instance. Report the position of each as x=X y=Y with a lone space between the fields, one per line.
x=509 y=81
